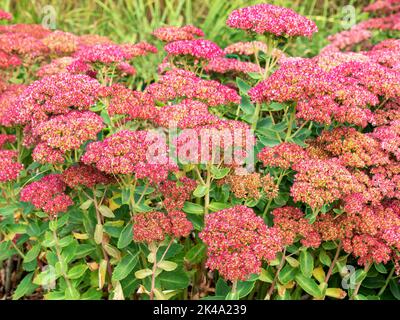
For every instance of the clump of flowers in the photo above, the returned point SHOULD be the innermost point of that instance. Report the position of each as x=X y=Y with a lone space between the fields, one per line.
x=10 y=168
x=227 y=65
x=237 y=242
x=68 y=132
x=172 y=33
x=245 y=186
x=133 y=104
x=4 y=15
x=176 y=193
x=178 y=83
x=283 y=155
x=187 y=114
x=270 y=19
x=131 y=152
x=84 y=176
x=154 y=226
x=55 y=95
x=198 y=48
x=61 y=43
x=246 y=48
x=43 y=153
x=47 y=194
x=319 y=182
x=292 y=224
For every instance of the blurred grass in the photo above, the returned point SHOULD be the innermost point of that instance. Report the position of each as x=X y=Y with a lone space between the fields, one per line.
x=134 y=20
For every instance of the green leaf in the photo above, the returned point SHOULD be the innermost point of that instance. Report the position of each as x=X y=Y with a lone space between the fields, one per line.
x=244 y=288
x=106 y=211
x=266 y=276
x=324 y=258
x=125 y=267
x=25 y=287
x=219 y=173
x=394 y=289
x=292 y=261
x=77 y=271
x=32 y=253
x=287 y=274
x=243 y=86
x=306 y=263
x=86 y=205
x=308 y=285
x=196 y=253
x=174 y=280
x=200 y=191
x=98 y=233
x=167 y=265
x=126 y=236
x=71 y=293
x=217 y=206
x=143 y=273
x=193 y=208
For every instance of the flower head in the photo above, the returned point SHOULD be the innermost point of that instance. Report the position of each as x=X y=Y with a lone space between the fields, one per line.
x=47 y=194
x=198 y=48
x=267 y=18
x=172 y=33
x=237 y=242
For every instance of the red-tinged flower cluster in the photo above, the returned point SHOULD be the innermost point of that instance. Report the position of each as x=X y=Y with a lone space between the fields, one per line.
x=330 y=60
x=6 y=138
x=237 y=241
x=47 y=194
x=171 y=33
x=228 y=65
x=345 y=40
x=36 y=31
x=198 y=48
x=9 y=61
x=176 y=193
x=283 y=155
x=353 y=148
x=292 y=225
x=43 y=153
x=10 y=168
x=102 y=53
x=138 y=49
x=387 y=114
x=5 y=15
x=345 y=93
x=22 y=45
x=383 y=6
x=131 y=152
x=123 y=101
x=319 y=182
x=245 y=186
x=389 y=138
x=55 y=95
x=69 y=131
x=246 y=48
x=270 y=19
x=61 y=43
x=186 y=114
x=154 y=226
x=178 y=83
x=227 y=140
x=385 y=53
x=84 y=176
x=391 y=22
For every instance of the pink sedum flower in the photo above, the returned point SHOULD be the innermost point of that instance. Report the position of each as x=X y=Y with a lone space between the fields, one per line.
x=172 y=33
x=267 y=18
x=199 y=49
x=237 y=242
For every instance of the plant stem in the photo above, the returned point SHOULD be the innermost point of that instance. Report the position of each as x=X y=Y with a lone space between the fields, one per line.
x=387 y=282
x=271 y=289
x=332 y=266
x=207 y=195
x=355 y=293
